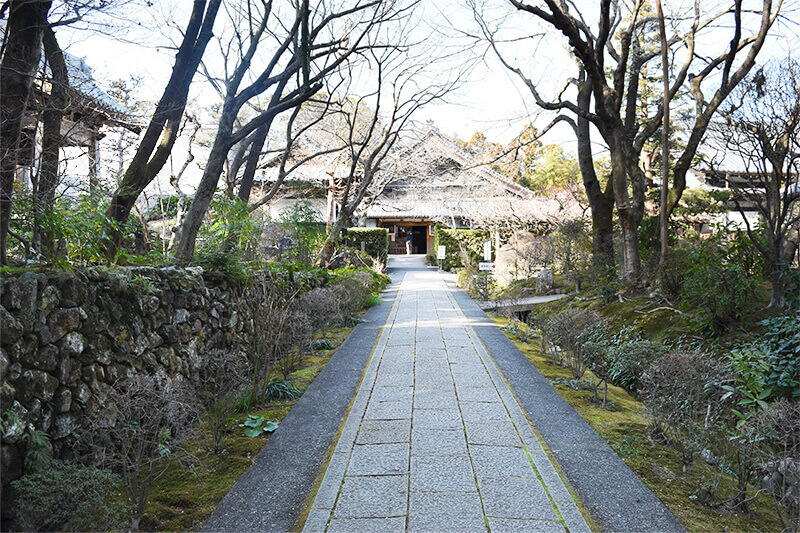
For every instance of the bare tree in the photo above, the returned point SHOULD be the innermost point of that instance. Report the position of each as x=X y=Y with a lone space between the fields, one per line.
x=162 y=131
x=610 y=57
x=318 y=42
x=21 y=50
x=404 y=83
x=762 y=134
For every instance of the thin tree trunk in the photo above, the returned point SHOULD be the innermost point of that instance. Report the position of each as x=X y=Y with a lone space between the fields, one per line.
x=187 y=234
x=21 y=52
x=664 y=225
x=252 y=161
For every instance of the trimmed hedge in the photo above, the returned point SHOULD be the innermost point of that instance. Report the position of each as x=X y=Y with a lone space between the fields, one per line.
x=376 y=241
x=471 y=239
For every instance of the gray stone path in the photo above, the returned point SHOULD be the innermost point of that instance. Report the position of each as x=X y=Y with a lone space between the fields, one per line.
x=435 y=439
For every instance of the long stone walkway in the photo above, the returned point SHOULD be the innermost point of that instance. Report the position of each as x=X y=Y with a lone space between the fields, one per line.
x=435 y=440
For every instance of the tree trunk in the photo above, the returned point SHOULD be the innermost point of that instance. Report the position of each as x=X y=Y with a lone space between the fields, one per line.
x=152 y=154
x=601 y=202
x=329 y=245
x=22 y=50
x=51 y=144
x=259 y=138
x=630 y=205
x=777 y=278
x=184 y=250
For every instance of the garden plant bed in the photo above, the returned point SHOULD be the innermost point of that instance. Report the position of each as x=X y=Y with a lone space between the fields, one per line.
x=625 y=426
x=187 y=494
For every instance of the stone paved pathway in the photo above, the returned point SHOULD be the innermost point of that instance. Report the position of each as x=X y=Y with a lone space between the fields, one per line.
x=435 y=440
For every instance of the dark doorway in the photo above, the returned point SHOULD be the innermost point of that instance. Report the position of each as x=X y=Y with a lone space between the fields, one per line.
x=419 y=243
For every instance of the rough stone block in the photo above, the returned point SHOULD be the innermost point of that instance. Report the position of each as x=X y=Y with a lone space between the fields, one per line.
x=372 y=497
x=433 y=474
x=516 y=498
x=445 y=512
x=439 y=442
x=492 y=432
x=378 y=460
x=384 y=431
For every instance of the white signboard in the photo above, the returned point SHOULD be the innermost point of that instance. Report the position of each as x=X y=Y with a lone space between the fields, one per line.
x=441 y=253
x=487 y=251
x=485 y=266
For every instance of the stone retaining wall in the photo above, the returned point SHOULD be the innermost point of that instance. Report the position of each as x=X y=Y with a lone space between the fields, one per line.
x=66 y=338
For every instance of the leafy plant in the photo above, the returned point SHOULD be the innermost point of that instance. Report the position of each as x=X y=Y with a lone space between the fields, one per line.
x=281 y=391
x=372 y=300
x=705 y=277
x=255 y=426
x=750 y=366
x=782 y=339
x=69 y=496
x=322 y=344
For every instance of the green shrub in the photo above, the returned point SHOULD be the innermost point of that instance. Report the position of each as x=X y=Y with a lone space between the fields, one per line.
x=782 y=339
x=769 y=368
x=69 y=496
x=627 y=355
x=304 y=229
x=376 y=241
x=459 y=243
x=705 y=278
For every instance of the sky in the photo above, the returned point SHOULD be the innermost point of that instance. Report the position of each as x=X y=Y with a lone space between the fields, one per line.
x=491 y=100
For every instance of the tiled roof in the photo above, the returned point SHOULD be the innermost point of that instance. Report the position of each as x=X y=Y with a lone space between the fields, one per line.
x=487 y=210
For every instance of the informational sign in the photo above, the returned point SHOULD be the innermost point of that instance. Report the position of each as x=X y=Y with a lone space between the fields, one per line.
x=486 y=266
x=487 y=251
x=441 y=252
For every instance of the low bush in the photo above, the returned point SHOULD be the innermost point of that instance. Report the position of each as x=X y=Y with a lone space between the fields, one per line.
x=350 y=297
x=69 y=496
x=320 y=306
x=774 y=435
x=684 y=392
x=152 y=419
x=463 y=247
x=628 y=355
x=570 y=330
x=221 y=379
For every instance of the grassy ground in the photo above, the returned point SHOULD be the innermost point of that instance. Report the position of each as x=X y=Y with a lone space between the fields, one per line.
x=625 y=427
x=187 y=494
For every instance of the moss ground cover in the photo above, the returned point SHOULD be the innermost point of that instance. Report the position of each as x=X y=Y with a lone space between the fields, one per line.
x=625 y=427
